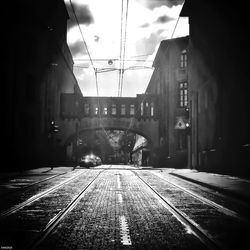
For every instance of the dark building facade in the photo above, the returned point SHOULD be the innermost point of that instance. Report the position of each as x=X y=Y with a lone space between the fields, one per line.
x=86 y=115
x=141 y=107
x=38 y=68
x=169 y=82
x=219 y=86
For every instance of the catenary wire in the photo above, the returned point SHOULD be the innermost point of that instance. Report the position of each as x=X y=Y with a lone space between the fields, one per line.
x=124 y=48
x=121 y=70
x=145 y=94
x=120 y=56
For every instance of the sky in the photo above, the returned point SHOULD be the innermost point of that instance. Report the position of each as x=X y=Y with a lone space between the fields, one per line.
x=106 y=33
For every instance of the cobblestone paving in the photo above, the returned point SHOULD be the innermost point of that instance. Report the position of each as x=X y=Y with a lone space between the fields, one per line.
x=231 y=232
x=19 y=228
x=10 y=200
x=118 y=212
x=212 y=195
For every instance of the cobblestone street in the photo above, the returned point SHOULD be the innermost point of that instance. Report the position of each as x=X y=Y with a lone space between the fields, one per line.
x=119 y=207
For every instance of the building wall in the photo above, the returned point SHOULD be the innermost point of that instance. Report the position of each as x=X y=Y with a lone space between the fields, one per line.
x=165 y=83
x=219 y=87
x=38 y=67
x=203 y=102
x=144 y=123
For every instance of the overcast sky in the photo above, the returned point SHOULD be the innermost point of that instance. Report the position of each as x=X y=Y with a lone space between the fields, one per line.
x=148 y=23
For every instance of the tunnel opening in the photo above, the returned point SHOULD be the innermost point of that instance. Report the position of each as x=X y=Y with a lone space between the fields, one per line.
x=113 y=146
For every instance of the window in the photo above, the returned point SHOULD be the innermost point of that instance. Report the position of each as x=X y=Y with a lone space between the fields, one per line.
x=152 y=109
x=183 y=63
x=96 y=110
x=86 y=108
x=113 y=111
x=123 y=109
x=132 y=109
x=141 y=108
x=105 y=109
x=183 y=94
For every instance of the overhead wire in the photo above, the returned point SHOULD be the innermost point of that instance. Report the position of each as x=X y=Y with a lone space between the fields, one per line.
x=122 y=62
x=120 y=56
x=145 y=94
x=124 y=49
x=95 y=69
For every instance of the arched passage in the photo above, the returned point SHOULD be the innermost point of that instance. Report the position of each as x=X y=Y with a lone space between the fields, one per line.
x=98 y=140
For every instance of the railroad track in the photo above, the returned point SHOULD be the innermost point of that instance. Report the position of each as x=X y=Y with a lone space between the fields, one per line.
x=61 y=215
x=190 y=225
x=36 y=197
x=31 y=185
x=210 y=203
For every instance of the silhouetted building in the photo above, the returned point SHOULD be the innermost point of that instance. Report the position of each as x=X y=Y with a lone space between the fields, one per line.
x=219 y=86
x=134 y=115
x=170 y=82
x=38 y=68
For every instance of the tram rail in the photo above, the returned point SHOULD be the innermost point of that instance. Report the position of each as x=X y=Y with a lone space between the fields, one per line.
x=190 y=225
x=31 y=185
x=210 y=203
x=61 y=215
x=36 y=197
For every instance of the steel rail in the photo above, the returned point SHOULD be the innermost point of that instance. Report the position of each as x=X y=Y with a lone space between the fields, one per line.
x=190 y=225
x=61 y=215
x=36 y=197
x=210 y=203
x=218 y=191
x=32 y=184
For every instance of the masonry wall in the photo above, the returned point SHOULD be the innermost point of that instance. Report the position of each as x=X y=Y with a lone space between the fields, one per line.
x=165 y=83
x=38 y=65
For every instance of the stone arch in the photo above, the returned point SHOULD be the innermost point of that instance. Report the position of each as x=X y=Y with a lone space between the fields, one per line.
x=72 y=137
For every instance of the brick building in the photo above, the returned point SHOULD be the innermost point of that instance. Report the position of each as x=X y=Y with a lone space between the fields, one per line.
x=38 y=68
x=169 y=82
x=219 y=86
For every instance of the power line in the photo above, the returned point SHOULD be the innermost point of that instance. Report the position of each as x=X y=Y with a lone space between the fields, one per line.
x=145 y=94
x=175 y=27
x=114 y=59
x=86 y=47
x=120 y=57
x=95 y=70
x=124 y=48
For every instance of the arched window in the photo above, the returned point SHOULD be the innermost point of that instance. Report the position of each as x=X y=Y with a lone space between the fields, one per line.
x=105 y=109
x=142 y=109
x=132 y=109
x=86 y=108
x=123 y=109
x=113 y=111
x=183 y=62
x=183 y=94
x=96 y=109
x=152 y=109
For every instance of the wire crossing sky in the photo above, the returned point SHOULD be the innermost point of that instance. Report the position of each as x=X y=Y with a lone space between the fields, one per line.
x=122 y=37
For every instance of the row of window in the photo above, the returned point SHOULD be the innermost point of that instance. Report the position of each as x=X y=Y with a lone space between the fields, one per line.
x=183 y=61
x=145 y=109
x=183 y=94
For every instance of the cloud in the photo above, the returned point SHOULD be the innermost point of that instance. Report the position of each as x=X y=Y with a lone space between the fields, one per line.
x=83 y=14
x=158 y=3
x=145 y=25
x=77 y=49
x=149 y=22
x=164 y=19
